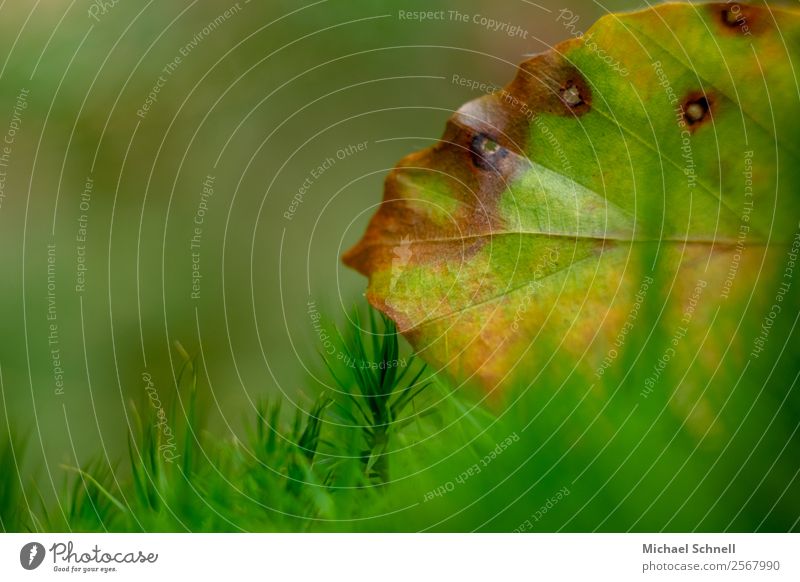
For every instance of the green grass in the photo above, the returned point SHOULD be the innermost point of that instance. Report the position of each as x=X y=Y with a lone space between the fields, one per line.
x=389 y=446
x=311 y=471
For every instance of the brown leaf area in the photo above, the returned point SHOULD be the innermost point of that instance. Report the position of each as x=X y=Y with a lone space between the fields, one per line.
x=504 y=117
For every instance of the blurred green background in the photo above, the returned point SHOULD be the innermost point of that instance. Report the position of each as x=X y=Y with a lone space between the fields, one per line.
x=233 y=150
x=263 y=94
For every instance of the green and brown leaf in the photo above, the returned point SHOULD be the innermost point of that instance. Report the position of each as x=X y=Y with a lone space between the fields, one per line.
x=658 y=152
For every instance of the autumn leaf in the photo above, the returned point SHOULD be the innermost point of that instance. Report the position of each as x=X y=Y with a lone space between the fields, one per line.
x=650 y=166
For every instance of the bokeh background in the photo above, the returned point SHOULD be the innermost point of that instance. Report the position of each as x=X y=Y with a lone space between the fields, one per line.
x=181 y=178
x=263 y=94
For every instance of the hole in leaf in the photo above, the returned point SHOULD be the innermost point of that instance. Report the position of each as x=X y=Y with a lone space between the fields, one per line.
x=740 y=19
x=571 y=95
x=486 y=153
x=696 y=110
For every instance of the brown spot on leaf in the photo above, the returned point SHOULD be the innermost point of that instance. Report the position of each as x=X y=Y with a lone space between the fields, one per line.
x=501 y=116
x=738 y=19
x=697 y=109
x=551 y=84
